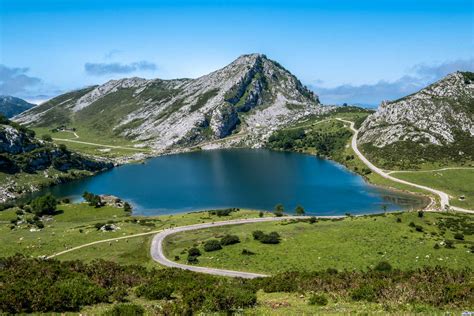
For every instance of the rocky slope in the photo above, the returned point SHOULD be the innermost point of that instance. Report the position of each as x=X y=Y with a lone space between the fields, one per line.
x=11 y=106
x=240 y=104
x=21 y=152
x=436 y=123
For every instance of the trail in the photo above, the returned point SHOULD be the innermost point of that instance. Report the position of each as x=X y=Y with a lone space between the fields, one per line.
x=444 y=197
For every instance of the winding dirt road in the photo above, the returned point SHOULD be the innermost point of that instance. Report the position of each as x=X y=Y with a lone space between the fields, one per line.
x=444 y=197
x=158 y=255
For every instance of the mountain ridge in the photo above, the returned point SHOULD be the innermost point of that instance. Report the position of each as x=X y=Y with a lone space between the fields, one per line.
x=252 y=94
x=11 y=106
x=435 y=122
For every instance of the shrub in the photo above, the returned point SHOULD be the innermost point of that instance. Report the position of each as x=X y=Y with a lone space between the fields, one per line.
x=312 y=220
x=399 y=220
x=127 y=207
x=126 y=309
x=436 y=246
x=98 y=225
x=272 y=238
x=39 y=224
x=257 y=235
x=420 y=214
x=155 y=290
x=45 y=204
x=46 y=138
x=419 y=228
x=194 y=252
x=364 y=293
x=229 y=240
x=320 y=300
x=212 y=245
x=383 y=266
x=412 y=224
x=459 y=236
x=66 y=201
x=192 y=259
x=260 y=214
x=224 y=298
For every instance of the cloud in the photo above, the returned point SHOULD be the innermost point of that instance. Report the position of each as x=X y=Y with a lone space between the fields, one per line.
x=100 y=69
x=112 y=53
x=16 y=81
x=418 y=77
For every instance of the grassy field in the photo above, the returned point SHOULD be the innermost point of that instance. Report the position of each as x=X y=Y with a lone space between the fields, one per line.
x=86 y=135
x=454 y=182
x=75 y=226
x=352 y=243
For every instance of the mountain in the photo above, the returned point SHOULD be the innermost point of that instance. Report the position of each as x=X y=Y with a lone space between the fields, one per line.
x=250 y=98
x=21 y=152
x=11 y=106
x=435 y=124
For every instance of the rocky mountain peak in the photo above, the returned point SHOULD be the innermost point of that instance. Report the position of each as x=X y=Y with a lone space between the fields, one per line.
x=251 y=96
x=442 y=114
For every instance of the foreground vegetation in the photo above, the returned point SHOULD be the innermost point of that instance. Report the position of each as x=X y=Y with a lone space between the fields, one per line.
x=405 y=239
x=35 y=285
x=364 y=264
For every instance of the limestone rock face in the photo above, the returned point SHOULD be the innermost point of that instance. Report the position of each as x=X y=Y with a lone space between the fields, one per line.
x=250 y=97
x=437 y=115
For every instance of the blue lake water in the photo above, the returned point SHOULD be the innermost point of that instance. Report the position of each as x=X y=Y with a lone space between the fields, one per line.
x=256 y=179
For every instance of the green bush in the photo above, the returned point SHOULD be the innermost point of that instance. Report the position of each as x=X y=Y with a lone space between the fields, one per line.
x=364 y=293
x=257 y=235
x=320 y=300
x=229 y=240
x=192 y=259
x=212 y=245
x=194 y=252
x=459 y=236
x=383 y=266
x=126 y=310
x=155 y=290
x=44 y=205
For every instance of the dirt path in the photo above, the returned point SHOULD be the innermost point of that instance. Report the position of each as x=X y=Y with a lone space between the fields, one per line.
x=444 y=197
x=158 y=255
x=98 y=145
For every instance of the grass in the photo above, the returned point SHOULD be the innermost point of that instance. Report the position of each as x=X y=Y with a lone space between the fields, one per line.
x=75 y=226
x=454 y=182
x=87 y=135
x=353 y=243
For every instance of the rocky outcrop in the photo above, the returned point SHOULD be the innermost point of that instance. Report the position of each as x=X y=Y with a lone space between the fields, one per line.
x=21 y=151
x=434 y=125
x=436 y=115
x=251 y=93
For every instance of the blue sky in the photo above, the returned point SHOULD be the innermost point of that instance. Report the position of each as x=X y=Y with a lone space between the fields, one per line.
x=347 y=51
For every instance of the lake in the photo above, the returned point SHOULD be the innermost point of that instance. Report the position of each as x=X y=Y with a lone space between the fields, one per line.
x=244 y=178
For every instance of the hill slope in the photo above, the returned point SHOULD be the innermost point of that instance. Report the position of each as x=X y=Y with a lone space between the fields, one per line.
x=11 y=106
x=434 y=125
x=252 y=96
x=23 y=157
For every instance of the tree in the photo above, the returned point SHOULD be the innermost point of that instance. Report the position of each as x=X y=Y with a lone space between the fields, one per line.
x=299 y=210
x=279 y=209
x=212 y=245
x=44 y=205
x=46 y=138
x=194 y=252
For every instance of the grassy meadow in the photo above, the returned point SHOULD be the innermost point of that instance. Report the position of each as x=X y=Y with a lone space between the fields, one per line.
x=354 y=243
